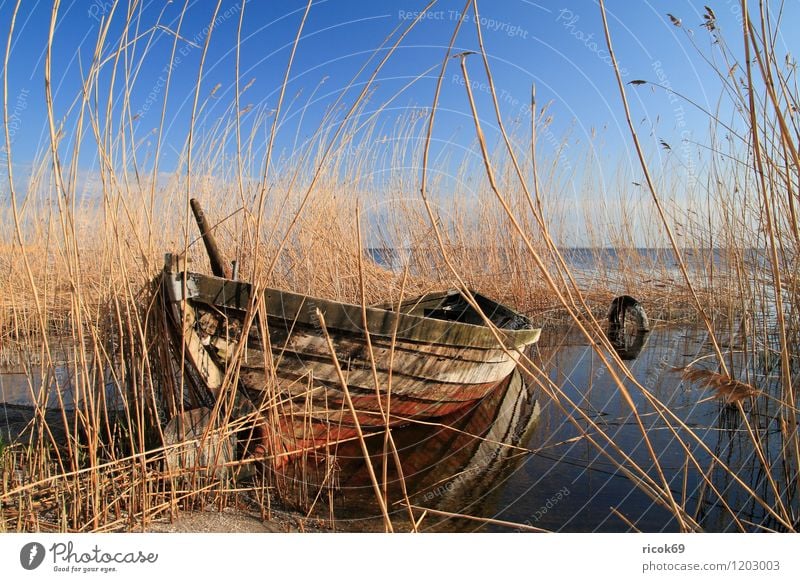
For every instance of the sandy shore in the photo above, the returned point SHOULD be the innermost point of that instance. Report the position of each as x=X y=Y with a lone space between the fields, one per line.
x=230 y=520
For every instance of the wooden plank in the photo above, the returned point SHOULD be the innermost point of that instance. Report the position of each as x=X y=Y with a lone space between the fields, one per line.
x=183 y=316
x=347 y=317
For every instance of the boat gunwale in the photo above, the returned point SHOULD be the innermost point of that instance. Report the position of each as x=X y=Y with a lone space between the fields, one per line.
x=466 y=334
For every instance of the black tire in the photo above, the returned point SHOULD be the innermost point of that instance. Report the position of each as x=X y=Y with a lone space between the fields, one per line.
x=624 y=306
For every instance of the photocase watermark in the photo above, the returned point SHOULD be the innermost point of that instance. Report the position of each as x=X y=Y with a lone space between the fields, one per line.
x=31 y=555
x=735 y=7
x=66 y=558
x=474 y=84
x=522 y=109
x=14 y=121
x=99 y=8
x=489 y=24
x=195 y=42
x=428 y=15
x=547 y=506
x=448 y=487
x=569 y=20
x=679 y=115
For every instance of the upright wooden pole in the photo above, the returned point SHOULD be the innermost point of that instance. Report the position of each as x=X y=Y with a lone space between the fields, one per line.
x=218 y=264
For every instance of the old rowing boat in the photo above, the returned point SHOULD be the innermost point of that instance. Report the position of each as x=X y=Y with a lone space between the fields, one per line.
x=424 y=358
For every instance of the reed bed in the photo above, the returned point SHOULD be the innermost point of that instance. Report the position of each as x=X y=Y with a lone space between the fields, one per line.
x=81 y=257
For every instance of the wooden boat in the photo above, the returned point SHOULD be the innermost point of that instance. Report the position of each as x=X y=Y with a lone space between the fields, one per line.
x=432 y=356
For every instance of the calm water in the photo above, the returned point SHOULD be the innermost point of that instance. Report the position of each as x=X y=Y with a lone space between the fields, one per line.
x=22 y=383
x=563 y=482
x=551 y=476
x=588 y=258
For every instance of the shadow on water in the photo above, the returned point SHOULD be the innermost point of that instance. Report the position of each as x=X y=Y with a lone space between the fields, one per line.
x=551 y=476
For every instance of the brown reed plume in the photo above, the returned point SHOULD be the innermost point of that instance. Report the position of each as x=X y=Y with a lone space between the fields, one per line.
x=728 y=389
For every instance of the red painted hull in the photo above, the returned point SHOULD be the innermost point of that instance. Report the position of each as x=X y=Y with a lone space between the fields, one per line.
x=303 y=433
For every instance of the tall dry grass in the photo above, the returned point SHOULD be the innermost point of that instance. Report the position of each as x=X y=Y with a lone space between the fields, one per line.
x=80 y=253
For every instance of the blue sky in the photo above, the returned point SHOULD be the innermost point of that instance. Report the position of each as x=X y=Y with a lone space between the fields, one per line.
x=559 y=47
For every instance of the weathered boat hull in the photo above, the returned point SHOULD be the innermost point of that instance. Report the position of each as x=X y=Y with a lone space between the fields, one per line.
x=429 y=358
x=458 y=463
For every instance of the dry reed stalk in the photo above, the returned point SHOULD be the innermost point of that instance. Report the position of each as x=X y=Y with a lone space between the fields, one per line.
x=123 y=257
x=188 y=195
x=338 y=131
x=787 y=139
x=654 y=193
x=490 y=174
x=665 y=224
x=387 y=522
x=17 y=224
x=432 y=217
x=536 y=208
x=484 y=520
x=733 y=392
x=270 y=143
x=385 y=412
x=625 y=520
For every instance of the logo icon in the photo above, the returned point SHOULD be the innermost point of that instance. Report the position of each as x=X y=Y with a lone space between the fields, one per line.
x=31 y=555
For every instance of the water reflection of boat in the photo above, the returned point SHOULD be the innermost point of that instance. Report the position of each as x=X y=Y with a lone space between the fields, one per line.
x=492 y=456
x=449 y=466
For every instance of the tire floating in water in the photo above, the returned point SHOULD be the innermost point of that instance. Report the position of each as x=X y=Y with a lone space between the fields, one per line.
x=624 y=307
